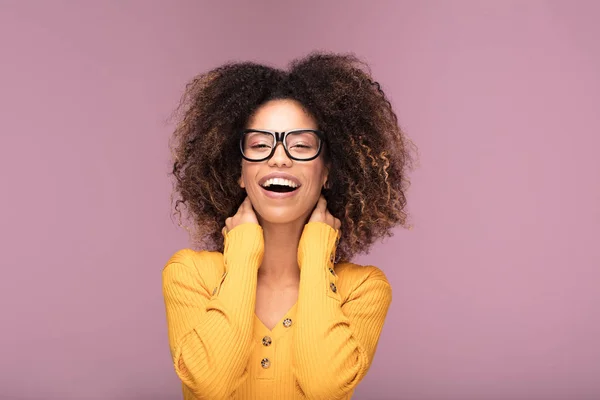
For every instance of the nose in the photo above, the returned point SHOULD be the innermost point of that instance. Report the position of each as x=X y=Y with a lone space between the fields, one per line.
x=279 y=158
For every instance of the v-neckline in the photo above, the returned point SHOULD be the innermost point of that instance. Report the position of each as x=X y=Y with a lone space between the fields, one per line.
x=279 y=325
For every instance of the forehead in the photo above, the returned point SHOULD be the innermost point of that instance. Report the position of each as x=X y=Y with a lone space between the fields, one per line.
x=281 y=115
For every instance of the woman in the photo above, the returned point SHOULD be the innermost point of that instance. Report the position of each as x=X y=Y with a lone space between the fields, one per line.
x=285 y=175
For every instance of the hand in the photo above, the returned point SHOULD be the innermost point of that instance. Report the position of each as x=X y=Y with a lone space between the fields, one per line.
x=245 y=214
x=322 y=214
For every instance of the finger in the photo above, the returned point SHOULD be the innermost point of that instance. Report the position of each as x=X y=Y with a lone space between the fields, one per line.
x=244 y=205
x=321 y=204
x=333 y=222
x=249 y=207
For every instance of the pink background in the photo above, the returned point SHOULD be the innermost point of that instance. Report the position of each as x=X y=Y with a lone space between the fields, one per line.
x=495 y=289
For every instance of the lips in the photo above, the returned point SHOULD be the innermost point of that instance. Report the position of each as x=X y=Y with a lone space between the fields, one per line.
x=279 y=185
x=279 y=175
x=278 y=195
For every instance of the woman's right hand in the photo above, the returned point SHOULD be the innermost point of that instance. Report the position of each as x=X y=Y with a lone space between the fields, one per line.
x=245 y=214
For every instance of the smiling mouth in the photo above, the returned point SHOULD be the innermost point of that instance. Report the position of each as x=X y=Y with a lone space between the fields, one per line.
x=280 y=188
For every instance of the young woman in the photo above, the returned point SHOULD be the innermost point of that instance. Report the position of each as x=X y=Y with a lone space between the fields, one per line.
x=286 y=174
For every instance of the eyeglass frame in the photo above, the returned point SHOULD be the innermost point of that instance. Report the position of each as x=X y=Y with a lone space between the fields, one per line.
x=280 y=137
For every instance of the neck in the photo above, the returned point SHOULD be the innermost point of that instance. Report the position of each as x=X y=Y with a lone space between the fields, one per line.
x=280 y=261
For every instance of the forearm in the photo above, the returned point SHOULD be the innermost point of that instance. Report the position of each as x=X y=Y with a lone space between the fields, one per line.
x=210 y=356
x=334 y=343
x=327 y=358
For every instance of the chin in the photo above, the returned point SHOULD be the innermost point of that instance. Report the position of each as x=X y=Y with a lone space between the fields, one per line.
x=280 y=214
x=278 y=217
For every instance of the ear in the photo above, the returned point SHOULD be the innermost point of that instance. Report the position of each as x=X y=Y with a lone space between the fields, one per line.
x=326 y=179
x=241 y=182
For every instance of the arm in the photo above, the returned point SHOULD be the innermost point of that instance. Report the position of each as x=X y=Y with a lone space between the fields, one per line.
x=334 y=343
x=210 y=334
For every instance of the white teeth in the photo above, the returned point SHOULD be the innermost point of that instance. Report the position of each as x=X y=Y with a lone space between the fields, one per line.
x=279 y=181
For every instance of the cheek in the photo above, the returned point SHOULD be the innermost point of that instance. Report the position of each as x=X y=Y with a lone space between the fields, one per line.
x=317 y=177
x=320 y=173
x=245 y=175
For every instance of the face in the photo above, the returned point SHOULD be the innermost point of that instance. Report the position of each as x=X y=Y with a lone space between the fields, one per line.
x=272 y=202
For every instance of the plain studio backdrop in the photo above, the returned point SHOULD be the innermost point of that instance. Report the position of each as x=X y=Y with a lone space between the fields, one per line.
x=495 y=289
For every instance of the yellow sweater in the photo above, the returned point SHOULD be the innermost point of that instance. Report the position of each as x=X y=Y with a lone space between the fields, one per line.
x=320 y=349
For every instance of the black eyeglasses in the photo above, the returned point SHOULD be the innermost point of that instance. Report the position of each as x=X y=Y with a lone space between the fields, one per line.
x=299 y=144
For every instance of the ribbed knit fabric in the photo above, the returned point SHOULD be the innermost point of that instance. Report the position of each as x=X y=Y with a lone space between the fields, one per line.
x=320 y=349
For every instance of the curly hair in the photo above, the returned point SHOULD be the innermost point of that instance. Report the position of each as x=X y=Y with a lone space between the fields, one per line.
x=368 y=153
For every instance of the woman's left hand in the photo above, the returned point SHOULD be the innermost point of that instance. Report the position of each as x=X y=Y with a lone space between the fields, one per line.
x=322 y=214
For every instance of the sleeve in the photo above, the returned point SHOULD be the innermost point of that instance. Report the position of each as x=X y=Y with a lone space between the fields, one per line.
x=210 y=329
x=334 y=343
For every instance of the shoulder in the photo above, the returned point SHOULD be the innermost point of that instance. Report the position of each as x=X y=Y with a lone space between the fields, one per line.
x=356 y=273
x=205 y=266
x=355 y=278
